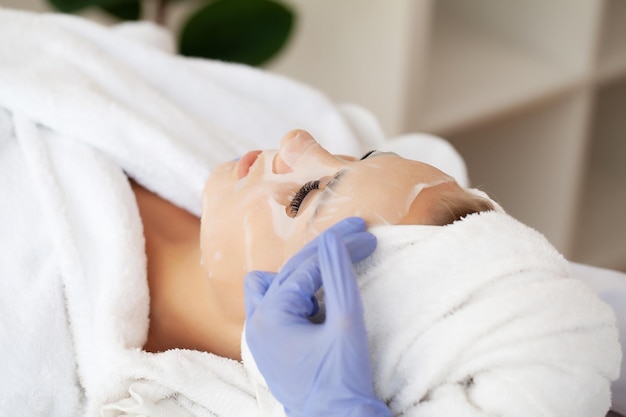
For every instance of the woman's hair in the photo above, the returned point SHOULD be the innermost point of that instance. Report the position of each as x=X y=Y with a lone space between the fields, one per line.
x=450 y=206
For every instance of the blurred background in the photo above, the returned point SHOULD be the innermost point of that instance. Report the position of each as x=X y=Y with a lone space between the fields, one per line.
x=532 y=94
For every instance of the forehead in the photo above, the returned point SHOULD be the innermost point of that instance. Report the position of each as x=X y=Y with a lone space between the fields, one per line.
x=386 y=168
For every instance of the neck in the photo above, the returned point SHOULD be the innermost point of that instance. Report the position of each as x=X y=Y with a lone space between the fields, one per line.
x=185 y=307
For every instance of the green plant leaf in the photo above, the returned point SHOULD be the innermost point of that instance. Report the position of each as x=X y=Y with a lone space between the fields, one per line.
x=124 y=10
x=246 y=31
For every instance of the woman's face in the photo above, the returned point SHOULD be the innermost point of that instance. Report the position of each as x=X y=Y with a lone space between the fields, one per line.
x=261 y=209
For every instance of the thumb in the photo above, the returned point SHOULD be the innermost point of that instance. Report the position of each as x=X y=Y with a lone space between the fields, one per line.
x=255 y=284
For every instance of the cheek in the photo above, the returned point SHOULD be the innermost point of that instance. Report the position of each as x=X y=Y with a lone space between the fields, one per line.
x=264 y=248
x=243 y=231
x=213 y=235
x=306 y=227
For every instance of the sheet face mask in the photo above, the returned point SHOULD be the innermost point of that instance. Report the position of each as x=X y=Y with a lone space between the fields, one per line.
x=282 y=211
x=328 y=203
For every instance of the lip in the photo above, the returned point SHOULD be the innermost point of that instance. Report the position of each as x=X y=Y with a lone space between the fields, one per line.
x=246 y=161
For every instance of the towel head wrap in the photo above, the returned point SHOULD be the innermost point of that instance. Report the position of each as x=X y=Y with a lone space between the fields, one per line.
x=482 y=317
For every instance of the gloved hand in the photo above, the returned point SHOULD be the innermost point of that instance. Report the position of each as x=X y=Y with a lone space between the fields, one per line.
x=315 y=369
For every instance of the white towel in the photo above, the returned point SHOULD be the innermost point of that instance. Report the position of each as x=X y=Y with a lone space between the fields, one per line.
x=482 y=318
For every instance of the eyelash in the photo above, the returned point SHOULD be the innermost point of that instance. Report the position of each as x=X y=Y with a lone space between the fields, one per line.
x=294 y=205
x=296 y=201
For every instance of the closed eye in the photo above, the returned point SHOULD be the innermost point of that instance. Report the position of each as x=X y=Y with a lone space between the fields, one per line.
x=367 y=154
x=294 y=205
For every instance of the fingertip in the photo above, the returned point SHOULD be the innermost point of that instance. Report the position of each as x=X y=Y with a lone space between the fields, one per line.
x=356 y=220
x=369 y=241
x=360 y=245
x=257 y=280
x=349 y=225
x=256 y=284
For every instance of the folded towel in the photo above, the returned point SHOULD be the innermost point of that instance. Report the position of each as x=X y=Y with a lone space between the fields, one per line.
x=482 y=318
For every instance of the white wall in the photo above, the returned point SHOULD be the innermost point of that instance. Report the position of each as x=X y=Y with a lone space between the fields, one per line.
x=355 y=50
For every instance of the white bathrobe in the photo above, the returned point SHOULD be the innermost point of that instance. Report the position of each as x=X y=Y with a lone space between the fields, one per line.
x=82 y=108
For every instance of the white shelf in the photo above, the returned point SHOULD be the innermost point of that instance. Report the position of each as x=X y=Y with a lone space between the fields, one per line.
x=473 y=75
x=612 y=50
x=511 y=84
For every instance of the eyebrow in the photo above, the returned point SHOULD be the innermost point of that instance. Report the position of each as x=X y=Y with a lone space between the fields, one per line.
x=332 y=184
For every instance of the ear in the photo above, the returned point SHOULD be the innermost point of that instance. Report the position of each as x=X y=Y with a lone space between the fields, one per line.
x=431 y=205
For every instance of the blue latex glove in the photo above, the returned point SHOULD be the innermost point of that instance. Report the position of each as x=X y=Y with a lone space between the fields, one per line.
x=315 y=369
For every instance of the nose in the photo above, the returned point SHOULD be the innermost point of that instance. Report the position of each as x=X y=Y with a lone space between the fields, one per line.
x=293 y=148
